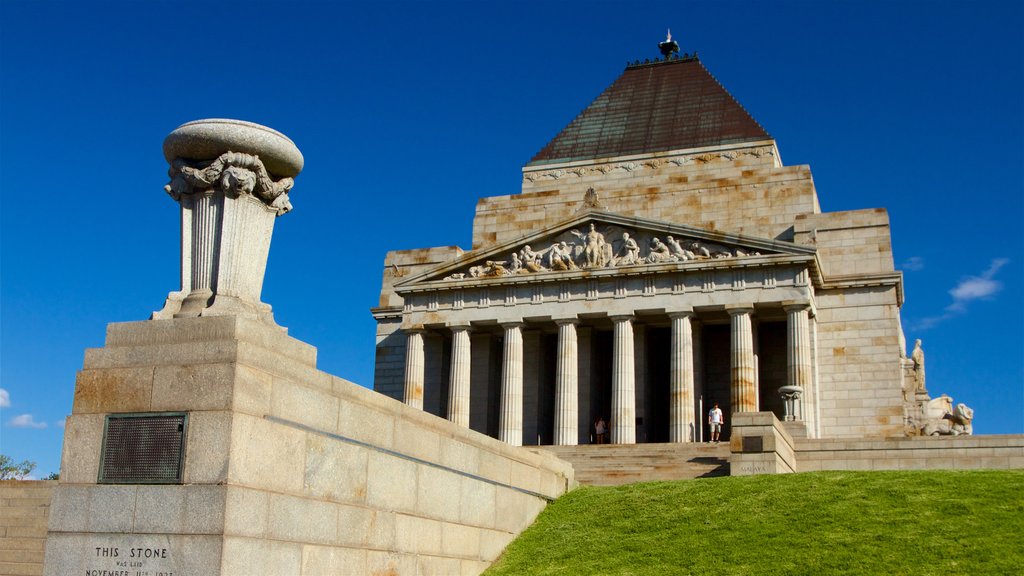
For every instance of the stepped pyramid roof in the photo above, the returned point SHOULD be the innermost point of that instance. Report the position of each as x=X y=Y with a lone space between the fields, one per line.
x=670 y=104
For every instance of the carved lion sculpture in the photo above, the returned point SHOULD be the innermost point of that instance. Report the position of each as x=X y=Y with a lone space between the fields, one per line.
x=941 y=420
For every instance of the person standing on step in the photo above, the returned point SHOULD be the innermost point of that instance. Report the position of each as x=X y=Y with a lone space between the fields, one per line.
x=715 y=421
x=601 y=430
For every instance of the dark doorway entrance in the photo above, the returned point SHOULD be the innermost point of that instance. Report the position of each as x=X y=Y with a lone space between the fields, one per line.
x=717 y=375
x=658 y=394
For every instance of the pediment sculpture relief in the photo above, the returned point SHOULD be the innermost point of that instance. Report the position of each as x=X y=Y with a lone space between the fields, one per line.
x=610 y=246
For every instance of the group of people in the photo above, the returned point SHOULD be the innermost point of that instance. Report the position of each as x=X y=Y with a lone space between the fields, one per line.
x=715 y=422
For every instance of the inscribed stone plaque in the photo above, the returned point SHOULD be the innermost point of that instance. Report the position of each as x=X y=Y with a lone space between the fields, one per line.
x=753 y=444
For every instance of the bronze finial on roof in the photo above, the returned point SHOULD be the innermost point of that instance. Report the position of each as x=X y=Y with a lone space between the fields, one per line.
x=669 y=46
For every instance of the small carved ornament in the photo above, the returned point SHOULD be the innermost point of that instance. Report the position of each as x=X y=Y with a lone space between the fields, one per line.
x=233 y=173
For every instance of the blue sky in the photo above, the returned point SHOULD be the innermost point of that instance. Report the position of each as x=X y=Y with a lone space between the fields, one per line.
x=407 y=112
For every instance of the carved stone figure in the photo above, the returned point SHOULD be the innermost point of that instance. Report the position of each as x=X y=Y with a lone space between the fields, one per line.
x=236 y=174
x=590 y=199
x=681 y=254
x=593 y=246
x=659 y=252
x=517 y=265
x=700 y=252
x=629 y=252
x=490 y=269
x=941 y=419
x=560 y=257
x=532 y=261
x=917 y=356
x=717 y=250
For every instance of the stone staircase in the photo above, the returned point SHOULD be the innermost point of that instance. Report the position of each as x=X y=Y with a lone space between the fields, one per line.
x=615 y=464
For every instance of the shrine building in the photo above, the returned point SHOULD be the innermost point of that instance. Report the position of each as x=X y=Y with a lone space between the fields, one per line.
x=659 y=259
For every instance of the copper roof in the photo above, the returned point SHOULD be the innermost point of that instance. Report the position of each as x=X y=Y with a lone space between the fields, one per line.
x=672 y=104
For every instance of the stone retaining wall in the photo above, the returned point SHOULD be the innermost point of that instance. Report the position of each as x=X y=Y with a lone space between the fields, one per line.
x=916 y=453
x=288 y=470
x=760 y=445
x=24 y=510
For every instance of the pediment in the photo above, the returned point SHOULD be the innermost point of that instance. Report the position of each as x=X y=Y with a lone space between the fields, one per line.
x=602 y=241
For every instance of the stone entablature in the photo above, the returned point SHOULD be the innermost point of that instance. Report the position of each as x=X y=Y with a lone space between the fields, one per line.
x=720 y=269
x=770 y=280
x=745 y=154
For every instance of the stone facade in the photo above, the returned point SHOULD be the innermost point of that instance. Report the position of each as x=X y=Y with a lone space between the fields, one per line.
x=715 y=277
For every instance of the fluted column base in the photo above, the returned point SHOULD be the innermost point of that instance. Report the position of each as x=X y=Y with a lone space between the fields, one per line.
x=414 y=369
x=567 y=385
x=623 y=424
x=511 y=420
x=743 y=383
x=682 y=420
x=458 y=382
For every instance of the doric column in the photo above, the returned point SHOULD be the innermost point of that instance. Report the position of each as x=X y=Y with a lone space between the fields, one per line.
x=414 y=366
x=682 y=420
x=511 y=422
x=743 y=388
x=232 y=180
x=458 y=381
x=798 y=345
x=623 y=422
x=567 y=385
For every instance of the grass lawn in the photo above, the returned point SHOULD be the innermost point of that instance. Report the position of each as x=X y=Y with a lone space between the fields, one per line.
x=921 y=522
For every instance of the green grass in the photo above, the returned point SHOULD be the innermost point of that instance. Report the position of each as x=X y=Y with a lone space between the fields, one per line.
x=915 y=523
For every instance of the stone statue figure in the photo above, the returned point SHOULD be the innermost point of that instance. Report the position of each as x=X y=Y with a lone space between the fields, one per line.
x=941 y=419
x=593 y=246
x=699 y=252
x=917 y=356
x=681 y=254
x=517 y=265
x=532 y=261
x=659 y=252
x=560 y=257
x=629 y=252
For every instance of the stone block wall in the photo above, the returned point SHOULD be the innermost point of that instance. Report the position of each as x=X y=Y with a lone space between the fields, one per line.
x=288 y=470
x=855 y=242
x=24 y=512
x=858 y=354
x=738 y=196
x=389 y=364
x=1000 y=452
x=760 y=445
x=401 y=264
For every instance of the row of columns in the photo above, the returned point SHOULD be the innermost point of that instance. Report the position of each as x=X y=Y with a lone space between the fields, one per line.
x=683 y=422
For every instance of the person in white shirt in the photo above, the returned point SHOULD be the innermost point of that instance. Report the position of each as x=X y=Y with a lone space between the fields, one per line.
x=715 y=421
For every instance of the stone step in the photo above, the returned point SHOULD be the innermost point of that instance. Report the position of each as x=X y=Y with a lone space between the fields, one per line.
x=611 y=464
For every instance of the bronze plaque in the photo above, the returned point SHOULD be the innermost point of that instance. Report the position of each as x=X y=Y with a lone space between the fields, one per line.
x=143 y=448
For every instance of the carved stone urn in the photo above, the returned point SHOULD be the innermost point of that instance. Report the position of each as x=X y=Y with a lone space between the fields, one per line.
x=232 y=180
x=791 y=398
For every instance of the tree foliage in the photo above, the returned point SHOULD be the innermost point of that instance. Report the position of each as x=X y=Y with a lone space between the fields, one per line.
x=10 y=470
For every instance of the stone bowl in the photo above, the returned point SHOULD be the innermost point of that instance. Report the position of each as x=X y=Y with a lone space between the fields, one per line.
x=208 y=139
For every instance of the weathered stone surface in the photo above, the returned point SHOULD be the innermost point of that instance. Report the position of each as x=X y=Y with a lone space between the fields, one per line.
x=207 y=139
x=336 y=471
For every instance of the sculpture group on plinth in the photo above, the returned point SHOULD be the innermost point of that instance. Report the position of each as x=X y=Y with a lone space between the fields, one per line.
x=927 y=416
